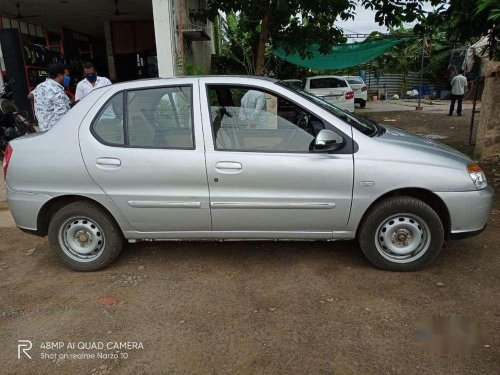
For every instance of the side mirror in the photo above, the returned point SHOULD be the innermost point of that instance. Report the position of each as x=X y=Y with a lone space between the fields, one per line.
x=328 y=141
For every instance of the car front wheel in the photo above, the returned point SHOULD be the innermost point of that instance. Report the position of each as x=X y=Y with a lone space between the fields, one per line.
x=401 y=234
x=84 y=236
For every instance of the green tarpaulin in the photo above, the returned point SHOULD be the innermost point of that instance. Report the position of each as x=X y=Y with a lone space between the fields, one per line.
x=341 y=56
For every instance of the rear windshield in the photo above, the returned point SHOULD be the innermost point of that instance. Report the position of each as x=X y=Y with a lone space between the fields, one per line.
x=355 y=80
x=327 y=83
x=293 y=82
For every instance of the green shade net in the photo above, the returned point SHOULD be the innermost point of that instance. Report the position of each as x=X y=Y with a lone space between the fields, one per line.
x=341 y=56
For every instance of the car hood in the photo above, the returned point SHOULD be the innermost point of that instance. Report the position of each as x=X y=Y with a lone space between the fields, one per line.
x=415 y=142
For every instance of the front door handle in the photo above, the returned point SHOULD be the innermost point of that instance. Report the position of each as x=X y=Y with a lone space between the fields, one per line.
x=228 y=167
x=108 y=163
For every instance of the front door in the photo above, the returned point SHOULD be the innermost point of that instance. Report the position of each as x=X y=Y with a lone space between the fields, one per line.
x=145 y=150
x=264 y=180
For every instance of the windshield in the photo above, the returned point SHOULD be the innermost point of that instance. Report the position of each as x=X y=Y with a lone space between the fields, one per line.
x=363 y=124
x=355 y=80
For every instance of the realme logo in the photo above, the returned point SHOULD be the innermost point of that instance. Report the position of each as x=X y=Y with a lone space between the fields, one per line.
x=23 y=346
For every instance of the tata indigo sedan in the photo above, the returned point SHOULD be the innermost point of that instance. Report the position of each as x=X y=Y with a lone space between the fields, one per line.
x=237 y=158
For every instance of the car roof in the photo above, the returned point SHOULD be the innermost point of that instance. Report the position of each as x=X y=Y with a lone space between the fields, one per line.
x=165 y=80
x=326 y=76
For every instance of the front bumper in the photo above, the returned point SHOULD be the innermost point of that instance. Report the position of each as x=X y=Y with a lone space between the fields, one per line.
x=468 y=210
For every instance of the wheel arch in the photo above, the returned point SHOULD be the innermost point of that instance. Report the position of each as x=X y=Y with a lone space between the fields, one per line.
x=50 y=207
x=426 y=196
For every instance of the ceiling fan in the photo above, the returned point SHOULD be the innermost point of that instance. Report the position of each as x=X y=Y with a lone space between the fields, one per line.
x=117 y=11
x=20 y=16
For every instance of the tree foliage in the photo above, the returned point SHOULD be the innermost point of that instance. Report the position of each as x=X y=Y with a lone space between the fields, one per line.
x=466 y=21
x=296 y=24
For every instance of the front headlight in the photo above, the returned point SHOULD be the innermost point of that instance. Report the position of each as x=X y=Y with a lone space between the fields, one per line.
x=477 y=175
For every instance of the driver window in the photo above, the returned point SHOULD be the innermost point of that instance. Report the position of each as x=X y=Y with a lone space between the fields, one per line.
x=160 y=117
x=250 y=119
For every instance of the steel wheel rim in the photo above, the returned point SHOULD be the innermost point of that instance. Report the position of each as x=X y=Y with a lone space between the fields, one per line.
x=82 y=239
x=403 y=238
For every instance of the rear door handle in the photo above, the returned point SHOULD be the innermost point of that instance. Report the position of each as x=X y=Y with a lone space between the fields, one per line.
x=228 y=167
x=107 y=163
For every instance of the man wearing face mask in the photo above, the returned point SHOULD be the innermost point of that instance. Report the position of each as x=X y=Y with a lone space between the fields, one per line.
x=90 y=82
x=51 y=102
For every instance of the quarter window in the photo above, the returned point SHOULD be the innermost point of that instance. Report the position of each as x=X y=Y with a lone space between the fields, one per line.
x=108 y=126
x=250 y=119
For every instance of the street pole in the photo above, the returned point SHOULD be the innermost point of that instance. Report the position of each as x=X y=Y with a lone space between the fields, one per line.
x=419 y=107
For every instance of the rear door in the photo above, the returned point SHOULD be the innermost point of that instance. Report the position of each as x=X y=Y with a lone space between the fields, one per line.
x=144 y=147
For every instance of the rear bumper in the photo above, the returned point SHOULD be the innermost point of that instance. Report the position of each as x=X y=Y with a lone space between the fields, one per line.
x=25 y=207
x=468 y=211
x=360 y=97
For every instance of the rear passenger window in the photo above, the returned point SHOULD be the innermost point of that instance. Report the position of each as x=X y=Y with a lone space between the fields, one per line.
x=154 y=118
x=108 y=127
x=160 y=118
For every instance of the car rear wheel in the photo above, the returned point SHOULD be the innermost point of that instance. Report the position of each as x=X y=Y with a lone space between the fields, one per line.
x=84 y=237
x=362 y=103
x=401 y=234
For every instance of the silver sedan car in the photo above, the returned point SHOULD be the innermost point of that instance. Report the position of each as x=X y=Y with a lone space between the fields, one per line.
x=237 y=158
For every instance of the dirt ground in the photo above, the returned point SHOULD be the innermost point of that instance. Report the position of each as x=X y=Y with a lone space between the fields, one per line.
x=253 y=307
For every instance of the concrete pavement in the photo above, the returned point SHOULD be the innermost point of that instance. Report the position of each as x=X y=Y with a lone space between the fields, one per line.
x=437 y=106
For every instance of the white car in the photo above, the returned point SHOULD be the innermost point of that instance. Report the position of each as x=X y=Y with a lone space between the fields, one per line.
x=360 y=89
x=334 y=89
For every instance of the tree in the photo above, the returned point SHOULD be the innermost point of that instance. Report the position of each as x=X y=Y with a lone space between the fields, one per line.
x=406 y=56
x=236 y=42
x=296 y=24
x=468 y=20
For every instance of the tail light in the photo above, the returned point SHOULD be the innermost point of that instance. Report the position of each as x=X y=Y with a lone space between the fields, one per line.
x=364 y=88
x=6 y=159
x=349 y=95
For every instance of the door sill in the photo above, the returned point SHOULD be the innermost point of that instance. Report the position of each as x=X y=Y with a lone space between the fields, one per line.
x=238 y=235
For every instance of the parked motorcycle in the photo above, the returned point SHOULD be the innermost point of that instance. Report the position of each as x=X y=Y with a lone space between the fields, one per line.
x=13 y=123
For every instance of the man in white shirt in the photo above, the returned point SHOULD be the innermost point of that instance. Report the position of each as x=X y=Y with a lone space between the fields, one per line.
x=91 y=82
x=50 y=101
x=458 y=85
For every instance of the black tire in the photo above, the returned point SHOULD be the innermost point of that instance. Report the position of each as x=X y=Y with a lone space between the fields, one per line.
x=402 y=209
x=362 y=104
x=112 y=237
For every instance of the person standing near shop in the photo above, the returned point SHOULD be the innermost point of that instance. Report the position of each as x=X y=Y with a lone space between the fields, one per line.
x=458 y=85
x=50 y=101
x=91 y=82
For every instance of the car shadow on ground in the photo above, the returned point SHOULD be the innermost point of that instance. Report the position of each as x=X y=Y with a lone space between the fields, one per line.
x=331 y=254
x=346 y=253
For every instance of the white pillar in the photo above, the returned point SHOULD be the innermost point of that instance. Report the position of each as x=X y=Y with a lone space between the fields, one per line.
x=162 y=16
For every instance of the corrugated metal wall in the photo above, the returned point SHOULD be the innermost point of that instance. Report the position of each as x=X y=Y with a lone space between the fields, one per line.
x=392 y=83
